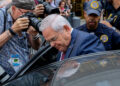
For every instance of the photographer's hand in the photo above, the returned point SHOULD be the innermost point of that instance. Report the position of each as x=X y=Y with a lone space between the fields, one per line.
x=16 y=28
x=39 y=9
x=32 y=31
x=109 y=25
x=106 y=23
x=34 y=38
x=20 y=24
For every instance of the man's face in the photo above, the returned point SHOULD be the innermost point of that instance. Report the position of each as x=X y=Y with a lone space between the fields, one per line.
x=117 y=5
x=91 y=20
x=17 y=12
x=59 y=40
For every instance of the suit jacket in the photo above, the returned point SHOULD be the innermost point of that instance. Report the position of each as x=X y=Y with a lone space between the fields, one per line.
x=109 y=37
x=82 y=43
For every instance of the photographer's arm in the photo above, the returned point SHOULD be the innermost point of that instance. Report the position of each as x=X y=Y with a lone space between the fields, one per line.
x=106 y=23
x=109 y=25
x=16 y=28
x=34 y=39
x=4 y=37
x=39 y=9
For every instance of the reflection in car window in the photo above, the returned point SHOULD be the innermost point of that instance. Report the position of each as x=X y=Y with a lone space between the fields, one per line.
x=68 y=69
x=101 y=71
x=38 y=77
x=32 y=79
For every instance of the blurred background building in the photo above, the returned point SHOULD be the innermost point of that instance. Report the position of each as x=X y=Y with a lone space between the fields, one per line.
x=78 y=7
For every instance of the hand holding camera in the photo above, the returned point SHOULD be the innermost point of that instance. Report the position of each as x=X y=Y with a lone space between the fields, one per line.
x=39 y=9
x=20 y=24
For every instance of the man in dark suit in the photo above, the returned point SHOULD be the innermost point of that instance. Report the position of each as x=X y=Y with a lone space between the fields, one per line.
x=70 y=42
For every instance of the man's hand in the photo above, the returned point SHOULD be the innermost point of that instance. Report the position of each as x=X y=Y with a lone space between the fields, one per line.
x=33 y=38
x=106 y=23
x=39 y=9
x=20 y=24
x=32 y=31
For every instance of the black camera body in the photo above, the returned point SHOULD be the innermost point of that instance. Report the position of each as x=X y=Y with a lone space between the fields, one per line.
x=48 y=8
x=34 y=21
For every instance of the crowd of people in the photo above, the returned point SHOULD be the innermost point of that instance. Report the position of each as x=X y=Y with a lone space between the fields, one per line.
x=17 y=36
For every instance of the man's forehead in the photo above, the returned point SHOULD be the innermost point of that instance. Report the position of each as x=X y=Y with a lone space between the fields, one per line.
x=23 y=10
x=48 y=33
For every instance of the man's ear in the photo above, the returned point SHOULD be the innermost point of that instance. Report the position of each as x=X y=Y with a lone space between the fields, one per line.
x=13 y=8
x=67 y=28
x=84 y=14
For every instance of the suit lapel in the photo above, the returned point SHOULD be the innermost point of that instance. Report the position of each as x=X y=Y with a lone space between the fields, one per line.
x=69 y=51
x=71 y=46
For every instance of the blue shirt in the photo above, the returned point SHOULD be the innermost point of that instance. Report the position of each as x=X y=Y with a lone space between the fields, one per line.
x=15 y=52
x=109 y=37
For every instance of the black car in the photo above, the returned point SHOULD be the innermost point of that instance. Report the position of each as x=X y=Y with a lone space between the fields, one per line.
x=97 y=69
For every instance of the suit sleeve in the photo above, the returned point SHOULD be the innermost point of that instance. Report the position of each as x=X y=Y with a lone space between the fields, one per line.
x=91 y=45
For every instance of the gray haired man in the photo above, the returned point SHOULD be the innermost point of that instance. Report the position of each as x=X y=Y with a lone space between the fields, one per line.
x=70 y=42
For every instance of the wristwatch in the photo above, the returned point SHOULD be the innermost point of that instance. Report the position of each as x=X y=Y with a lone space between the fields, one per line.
x=36 y=37
x=12 y=32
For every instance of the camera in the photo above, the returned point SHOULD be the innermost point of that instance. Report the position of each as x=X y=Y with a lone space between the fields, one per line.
x=34 y=21
x=48 y=8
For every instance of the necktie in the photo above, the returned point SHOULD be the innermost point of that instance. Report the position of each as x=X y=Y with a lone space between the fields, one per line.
x=62 y=56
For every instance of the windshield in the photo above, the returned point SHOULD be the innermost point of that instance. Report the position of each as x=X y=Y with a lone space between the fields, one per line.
x=92 y=70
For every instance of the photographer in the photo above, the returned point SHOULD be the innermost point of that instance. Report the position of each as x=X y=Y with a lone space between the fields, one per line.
x=14 y=50
x=112 y=9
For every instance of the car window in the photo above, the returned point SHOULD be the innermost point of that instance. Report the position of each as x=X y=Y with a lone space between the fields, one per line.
x=98 y=69
x=41 y=76
x=91 y=70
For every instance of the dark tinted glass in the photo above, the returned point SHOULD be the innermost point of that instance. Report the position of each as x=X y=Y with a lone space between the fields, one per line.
x=90 y=70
